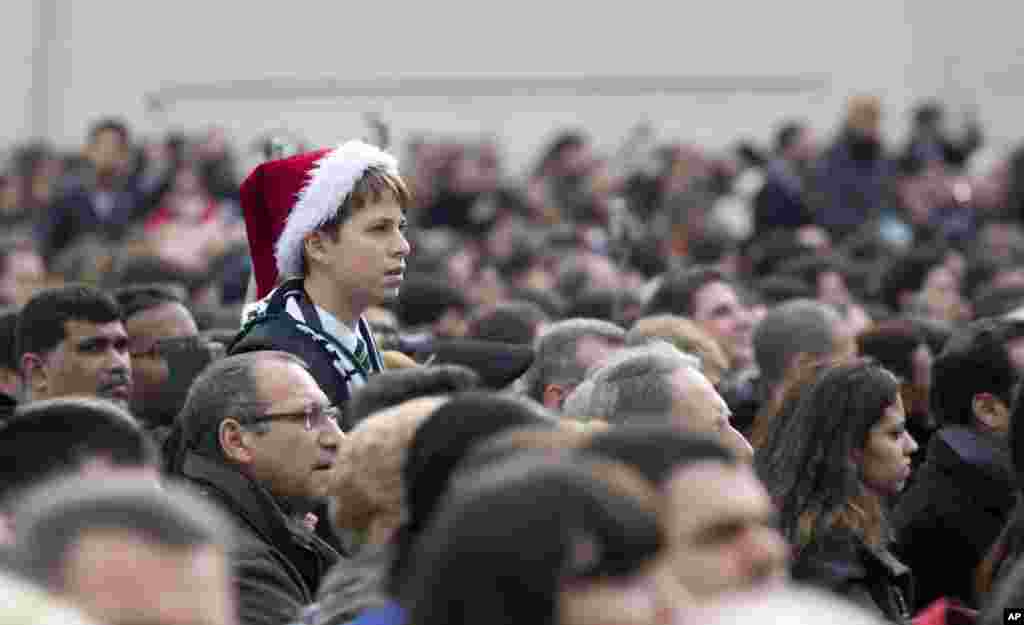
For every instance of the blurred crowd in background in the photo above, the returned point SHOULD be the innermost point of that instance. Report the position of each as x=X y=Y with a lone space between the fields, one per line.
x=579 y=227
x=769 y=271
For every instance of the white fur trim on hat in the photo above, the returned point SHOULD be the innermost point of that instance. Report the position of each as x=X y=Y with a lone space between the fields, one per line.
x=330 y=181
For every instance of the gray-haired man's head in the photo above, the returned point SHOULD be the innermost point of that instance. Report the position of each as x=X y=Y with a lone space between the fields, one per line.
x=655 y=383
x=794 y=328
x=564 y=353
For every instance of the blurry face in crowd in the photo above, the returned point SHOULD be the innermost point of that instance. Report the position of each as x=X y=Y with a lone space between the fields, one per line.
x=108 y=152
x=721 y=533
x=832 y=288
x=885 y=464
x=145 y=330
x=120 y=578
x=941 y=291
x=23 y=274
x=365 y=263
x=719 y=311
x=638 y=599
x=804 y=148
x=290 y=461
x=699 y=408
x=92 y=360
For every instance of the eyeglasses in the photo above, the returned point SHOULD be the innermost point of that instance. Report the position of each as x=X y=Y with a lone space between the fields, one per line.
x=315 y=416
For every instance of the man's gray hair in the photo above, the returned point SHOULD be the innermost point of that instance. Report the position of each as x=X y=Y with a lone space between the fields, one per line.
x=798 y=326
x=227 y=388
x=633 y=383
x=555 y=360
x=52 y=519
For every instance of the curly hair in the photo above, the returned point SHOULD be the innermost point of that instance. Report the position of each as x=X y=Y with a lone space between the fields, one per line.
x=806 y=463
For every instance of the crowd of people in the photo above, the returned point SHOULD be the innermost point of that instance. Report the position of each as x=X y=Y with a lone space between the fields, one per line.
x=657 y=386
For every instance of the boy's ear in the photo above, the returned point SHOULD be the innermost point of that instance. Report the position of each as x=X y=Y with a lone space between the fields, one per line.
x=313 y=246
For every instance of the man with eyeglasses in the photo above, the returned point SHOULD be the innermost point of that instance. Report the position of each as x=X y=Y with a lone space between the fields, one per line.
x=259 y=437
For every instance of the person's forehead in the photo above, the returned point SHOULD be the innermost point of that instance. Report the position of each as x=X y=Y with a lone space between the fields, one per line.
x=283 y=381
x=708 y=491
x=77 y=330
x=387 y=208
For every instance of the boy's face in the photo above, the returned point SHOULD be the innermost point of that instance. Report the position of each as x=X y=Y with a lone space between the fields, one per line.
x=366 y=260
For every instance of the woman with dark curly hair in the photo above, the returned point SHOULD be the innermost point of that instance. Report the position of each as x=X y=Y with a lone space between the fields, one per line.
x=829 y=465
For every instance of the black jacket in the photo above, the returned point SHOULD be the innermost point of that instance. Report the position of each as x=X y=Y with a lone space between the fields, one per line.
x=273 y=327
x=872 y=577
x=954 y=511
x=277 y=564
x=354 y=586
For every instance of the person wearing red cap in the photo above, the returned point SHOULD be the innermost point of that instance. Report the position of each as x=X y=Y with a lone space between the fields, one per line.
x=326 y=233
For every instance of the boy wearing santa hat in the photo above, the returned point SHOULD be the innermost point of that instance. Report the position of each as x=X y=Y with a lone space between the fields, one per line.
x=327 y=236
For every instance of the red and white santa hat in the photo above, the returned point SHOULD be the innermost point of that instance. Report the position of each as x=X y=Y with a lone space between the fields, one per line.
x=286 y=199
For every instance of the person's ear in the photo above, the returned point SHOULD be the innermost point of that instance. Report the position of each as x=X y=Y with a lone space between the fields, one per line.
x=33 y=369
x=991 y=412
x=234 y=442
x=313 y=245
x=553 y=396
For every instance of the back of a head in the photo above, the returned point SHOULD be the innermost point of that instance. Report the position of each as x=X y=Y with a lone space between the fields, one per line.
x=801 y=326
x=513 y=322
x=391 y=388
x=974 y=360
x=537 y=441
x=907 y=275
x=424 y=299
x=678 y=291
x=50 y=437
x=892 y=344
x=777 y=288
x=41 y=321
x=368 y=472
x=52 y=518
x=152 y=270
x=656 y=451
x=687 y=337
x=141 y=297
x=470 y=566
x=556 y=348
x=438 y=446
x=787 y=134
x=633 y=383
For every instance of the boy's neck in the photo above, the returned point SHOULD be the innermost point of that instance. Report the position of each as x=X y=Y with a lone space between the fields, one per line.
x=325 y=295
